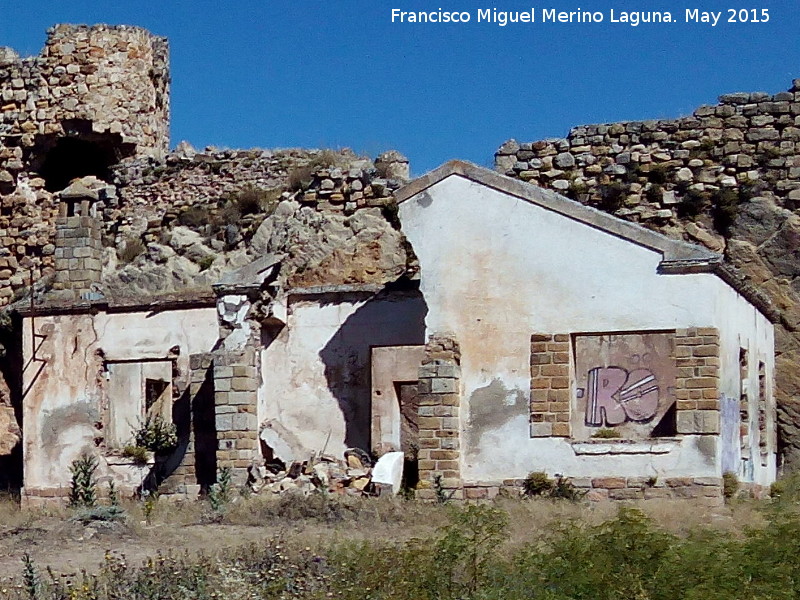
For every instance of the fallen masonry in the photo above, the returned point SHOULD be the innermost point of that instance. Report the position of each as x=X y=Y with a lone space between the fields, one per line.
x=177 y=314
x=353 y=476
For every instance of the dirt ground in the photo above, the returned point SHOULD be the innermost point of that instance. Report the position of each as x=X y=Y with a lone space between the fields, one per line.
x=54 y=540
x=70 y=547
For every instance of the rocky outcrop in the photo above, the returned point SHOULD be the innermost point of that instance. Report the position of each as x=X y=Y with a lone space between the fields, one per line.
x=10 y=433
x=727 y=177
x=331 y=249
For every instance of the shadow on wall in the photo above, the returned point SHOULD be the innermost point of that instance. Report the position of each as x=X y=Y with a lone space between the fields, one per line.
x=11 y=369
x=205 y=433
x=390 y=318
x=189 y=414
x=166 y=465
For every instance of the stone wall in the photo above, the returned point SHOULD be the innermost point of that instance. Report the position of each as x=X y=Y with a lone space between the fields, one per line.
x=204 y=191
x=703 y=490
x=96 y=102
x=95 y=91
x=550 y=387
x=439 y=456
x=727 y=177
x=113 y=80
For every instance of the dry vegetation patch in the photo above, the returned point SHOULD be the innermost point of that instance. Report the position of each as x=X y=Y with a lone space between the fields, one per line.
x=322 y=546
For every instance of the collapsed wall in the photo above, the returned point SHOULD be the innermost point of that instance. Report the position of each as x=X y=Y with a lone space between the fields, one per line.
x=727 y=176
x=94 y=96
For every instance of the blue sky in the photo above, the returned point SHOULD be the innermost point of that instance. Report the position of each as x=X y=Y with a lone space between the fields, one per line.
x=304 y=73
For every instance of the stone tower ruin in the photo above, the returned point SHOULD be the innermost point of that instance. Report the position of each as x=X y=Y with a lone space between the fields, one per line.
x=95 y=95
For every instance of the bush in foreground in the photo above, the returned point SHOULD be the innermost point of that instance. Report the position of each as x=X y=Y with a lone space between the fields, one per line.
x=624 y=557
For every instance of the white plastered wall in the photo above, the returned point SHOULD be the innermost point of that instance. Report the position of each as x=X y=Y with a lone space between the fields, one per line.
x=63 y=382
x=496 y=268
x=315 y=391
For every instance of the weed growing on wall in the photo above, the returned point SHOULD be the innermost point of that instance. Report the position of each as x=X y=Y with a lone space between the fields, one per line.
x=138 y=454
x=539 y=484
x=157 y=435
x=606 y=433
x=730 y=485
x=442 y=495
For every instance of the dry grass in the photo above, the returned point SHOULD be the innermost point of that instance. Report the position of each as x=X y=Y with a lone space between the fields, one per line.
x=316 y=522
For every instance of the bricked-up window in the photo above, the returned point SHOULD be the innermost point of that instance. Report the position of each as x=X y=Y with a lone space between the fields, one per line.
x=624 y=385
x=763 y=432
x=744 y=406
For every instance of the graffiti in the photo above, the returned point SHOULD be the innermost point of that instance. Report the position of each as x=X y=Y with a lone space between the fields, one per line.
x=616 y=395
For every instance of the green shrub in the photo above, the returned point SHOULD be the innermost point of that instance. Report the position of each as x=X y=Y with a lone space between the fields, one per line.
x=221 y=493
x=537 y=484
x=606 y=433
x=443 y=496
x=658 y=174
x=83 y=487
x=576 y=189
x=149 y=500
x=301 y=177
x=612 y=196
x=561 y=488
x=131 y=250
x=157 y=435
x=252 y=200
x=692 y=203
x=113 y=495
x=725 y=209
x=194 y=216
x=99 y=513
x=564 y=489
x=655 y=193
x=730 y=485
x=30 y=577
x=206 y=262
x=625 y=557
x=139 y=454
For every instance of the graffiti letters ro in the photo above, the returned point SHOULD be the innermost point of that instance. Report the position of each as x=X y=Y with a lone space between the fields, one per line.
x=615 y=396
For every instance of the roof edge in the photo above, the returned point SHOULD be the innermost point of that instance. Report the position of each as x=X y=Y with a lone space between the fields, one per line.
x=670 y=249
x=678 y=257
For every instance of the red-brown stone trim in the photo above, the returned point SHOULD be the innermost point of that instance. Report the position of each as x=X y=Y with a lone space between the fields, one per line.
x=697 y=383
x=550 y=385
x=706 y=490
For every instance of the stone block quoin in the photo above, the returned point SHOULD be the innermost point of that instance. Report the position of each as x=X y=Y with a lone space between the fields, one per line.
x=697 y=383
x=550 y=385
x=439 y=454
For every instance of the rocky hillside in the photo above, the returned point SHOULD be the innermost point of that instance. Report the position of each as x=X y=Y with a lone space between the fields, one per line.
x=728 y=177
x=177 y=225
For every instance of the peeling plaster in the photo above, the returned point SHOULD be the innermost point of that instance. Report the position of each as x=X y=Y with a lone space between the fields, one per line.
x=490 y=408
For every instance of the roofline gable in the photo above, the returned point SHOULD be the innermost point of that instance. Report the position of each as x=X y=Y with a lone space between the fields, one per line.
x=671 y=250
x=678 y=257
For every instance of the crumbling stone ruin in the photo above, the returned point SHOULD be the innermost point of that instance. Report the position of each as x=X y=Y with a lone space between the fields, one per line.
x=97 y=210
x=273 y=305
x=727 y=177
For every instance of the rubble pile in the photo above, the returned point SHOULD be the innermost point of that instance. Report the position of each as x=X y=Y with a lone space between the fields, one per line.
x=353 y=476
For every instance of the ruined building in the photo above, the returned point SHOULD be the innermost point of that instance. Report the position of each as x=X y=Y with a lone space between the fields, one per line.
x=277 y=305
